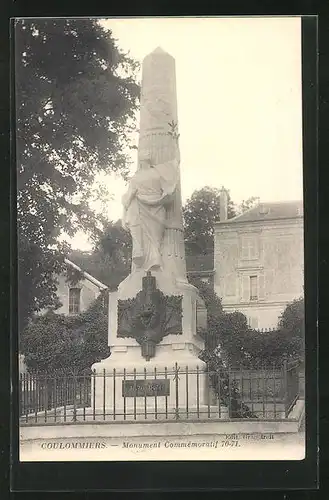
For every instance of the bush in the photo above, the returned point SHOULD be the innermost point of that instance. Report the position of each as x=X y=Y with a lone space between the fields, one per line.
x=53 y=342
x=292 y=327
x=237 y=344
x=229 y=342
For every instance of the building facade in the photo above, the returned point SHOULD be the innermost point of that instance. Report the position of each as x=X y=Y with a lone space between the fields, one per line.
x=259 y=261
x=76 y=298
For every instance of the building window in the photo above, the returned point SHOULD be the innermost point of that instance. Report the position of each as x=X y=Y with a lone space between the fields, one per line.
x=253 y=288
x=74 y=300
x=249 y=248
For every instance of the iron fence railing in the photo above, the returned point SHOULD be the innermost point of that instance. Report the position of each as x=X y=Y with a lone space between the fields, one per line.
x=291 y=371
x=177 y=393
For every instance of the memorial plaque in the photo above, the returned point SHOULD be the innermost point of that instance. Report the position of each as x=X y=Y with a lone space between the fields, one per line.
x=148 y=388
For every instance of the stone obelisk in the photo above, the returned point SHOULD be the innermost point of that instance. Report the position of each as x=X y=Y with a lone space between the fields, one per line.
x=181 y=344
x=158 y=112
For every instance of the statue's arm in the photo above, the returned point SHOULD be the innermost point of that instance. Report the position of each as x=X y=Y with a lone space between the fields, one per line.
x=129 y=195
x=159 y=201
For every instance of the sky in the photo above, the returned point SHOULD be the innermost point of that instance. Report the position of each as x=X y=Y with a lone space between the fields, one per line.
x=239 y=103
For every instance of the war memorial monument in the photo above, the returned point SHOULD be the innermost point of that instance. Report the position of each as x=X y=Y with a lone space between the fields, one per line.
x=171 y=388
x=153 y=315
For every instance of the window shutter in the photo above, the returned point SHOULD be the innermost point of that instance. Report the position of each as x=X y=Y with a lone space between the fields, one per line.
x=253 y=283
x=245 y=292
x=64 y=298
x=261 y=285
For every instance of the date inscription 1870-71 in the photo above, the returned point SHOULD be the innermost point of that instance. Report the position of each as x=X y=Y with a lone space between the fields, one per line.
x=145 y=388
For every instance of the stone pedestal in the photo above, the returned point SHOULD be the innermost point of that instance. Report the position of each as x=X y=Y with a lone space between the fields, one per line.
x=175 y=355
x=184 y=394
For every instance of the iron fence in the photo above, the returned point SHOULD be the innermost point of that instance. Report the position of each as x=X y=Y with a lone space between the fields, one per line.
x=43 y=396
x=177 y=393
x=292 y=384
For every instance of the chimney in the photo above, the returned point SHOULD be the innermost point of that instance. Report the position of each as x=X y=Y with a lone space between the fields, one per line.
x=263 y=209
x=223 y=205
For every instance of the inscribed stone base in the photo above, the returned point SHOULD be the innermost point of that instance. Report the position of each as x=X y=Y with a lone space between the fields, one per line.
x=190 y=389
x=186 y=385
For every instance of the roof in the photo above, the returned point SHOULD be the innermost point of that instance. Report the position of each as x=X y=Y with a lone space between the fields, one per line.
x=86 y=275
x=269 y=211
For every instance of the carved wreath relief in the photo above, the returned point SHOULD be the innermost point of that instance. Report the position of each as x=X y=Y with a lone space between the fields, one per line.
x=150 y=316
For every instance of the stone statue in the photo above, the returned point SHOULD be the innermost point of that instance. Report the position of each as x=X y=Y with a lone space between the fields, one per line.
x=152 y=204
x=146 y=205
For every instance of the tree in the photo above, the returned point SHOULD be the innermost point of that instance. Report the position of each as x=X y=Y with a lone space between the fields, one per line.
x=229 y=336
x=110 y=262
x=292 y=320
x=246 y=204
x=200 y=212
x=115 y=245
x=76 y=96
x=291 y=326
x=229 y=343
x=54 y=342
x=46 y=343
x=217 y=354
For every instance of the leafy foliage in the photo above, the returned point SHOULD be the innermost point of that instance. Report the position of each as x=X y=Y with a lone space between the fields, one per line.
x=292 y=326
x=292 y=320
x=54 y=342
x=37 y=267
x=76 y=96
x=227 y=390
x=246 y=205
x=115 y=248
x=230 y=343
x=229 y=336
x=200 y=212
x=110 y=262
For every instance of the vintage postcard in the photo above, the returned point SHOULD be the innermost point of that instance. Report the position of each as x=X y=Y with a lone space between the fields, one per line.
x=160 y=239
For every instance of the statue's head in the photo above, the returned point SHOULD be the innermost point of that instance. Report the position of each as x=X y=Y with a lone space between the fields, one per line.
x=144 y=160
